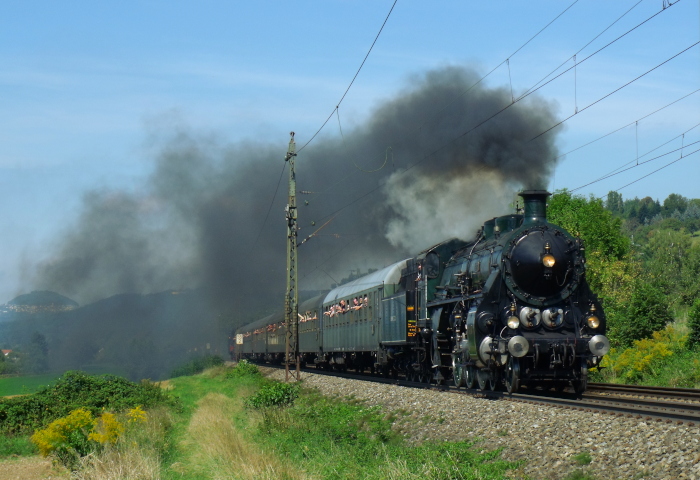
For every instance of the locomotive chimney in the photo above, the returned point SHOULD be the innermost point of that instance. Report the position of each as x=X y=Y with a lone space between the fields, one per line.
x=535 y=205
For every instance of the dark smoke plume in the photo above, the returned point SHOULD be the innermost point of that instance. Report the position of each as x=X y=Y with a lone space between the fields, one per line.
x=197 y=221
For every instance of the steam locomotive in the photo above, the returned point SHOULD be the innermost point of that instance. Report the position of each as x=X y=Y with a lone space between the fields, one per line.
x=509 y=309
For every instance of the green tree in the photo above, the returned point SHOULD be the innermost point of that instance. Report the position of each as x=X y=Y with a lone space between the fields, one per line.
x=591 y=221
x=646 y=313
x=37 y=354
x=614 y=202
x=672 y=262
x=674 y=202
x=694 y=324
x=634 y=306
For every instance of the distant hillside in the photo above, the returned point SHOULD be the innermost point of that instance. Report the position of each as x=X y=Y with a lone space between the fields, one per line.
x=43 y=298
x=138 y=336
x=37 y=302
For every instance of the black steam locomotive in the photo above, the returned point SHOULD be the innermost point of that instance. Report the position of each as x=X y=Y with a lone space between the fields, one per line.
x=511 y=308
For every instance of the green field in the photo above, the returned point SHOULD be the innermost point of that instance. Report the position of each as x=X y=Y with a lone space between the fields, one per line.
x=25 y=384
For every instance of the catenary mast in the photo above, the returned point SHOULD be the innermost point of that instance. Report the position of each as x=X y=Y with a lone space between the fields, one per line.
x=291 y=299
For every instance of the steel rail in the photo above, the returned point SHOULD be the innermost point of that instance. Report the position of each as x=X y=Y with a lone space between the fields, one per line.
x=641 y=409
x=691 y=393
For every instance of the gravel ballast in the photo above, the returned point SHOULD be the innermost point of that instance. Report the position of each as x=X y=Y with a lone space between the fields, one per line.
x=552 y=441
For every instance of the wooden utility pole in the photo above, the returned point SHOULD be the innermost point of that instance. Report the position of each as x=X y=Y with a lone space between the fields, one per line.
x=291 y=299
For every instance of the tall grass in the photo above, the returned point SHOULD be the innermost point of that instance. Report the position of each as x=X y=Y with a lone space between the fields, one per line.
x=136 y=456
x=221 y=452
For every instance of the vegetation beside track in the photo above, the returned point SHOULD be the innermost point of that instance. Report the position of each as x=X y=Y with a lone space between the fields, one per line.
x=229 y=423
x=269 y=432
x=643 y=262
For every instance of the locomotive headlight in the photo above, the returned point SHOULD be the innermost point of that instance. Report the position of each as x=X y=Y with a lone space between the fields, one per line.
x=593 y=322
x=513 y=322
x=548 y=260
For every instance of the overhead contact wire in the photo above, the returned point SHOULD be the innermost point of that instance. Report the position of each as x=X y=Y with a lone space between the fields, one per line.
x=634 y=166
x=659 y=169
x=467 y=91
x=500 y=64
x=353 y=78
x=616 y=90
x=647 y=153
x=582 y=48
x=629 y=124
x=502 y=110
x=527 y=94
x=517 y=100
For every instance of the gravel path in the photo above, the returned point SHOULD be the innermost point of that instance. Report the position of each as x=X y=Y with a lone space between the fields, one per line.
x=550 y=439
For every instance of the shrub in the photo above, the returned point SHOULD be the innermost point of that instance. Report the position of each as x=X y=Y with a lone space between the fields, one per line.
x=74 y=390
x=694 y=324
x=645 y=356
x=647 y=312
x=79 y=433
x=243 y=369
x=67 y=437
x=274 y=395
x=106 y=429
x=197 y=365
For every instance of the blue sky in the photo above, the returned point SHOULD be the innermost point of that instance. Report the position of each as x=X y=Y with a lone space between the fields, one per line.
x=86 y=86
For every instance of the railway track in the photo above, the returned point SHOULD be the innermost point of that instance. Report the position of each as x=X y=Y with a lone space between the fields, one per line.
x=660 y=404
x=681 y=394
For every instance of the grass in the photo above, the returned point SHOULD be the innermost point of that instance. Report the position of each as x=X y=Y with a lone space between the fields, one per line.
x=218 y=436
x=138 y=455
x=580 y=475
x=25 y=384
x=215 y=432
x=189 y=456
x=337 y=440
x=583 y=458
x=19 y=446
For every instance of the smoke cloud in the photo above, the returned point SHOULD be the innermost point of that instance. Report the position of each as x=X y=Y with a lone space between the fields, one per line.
x=406 y=178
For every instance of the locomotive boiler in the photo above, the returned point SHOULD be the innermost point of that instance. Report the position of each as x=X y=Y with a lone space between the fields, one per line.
x=511 y=308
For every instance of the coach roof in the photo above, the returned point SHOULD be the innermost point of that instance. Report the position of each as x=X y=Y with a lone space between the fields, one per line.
x=386 y=276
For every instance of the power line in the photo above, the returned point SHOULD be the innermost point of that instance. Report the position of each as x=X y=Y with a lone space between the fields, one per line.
x=597 y=51
x=499 y=65
x=582 y=48
x=531 y=91
x=629 y=124
x=616 y=90
x=353 y=78
x=659 y=169
x=502 y=110
x=634 y=166
x=324 y=123
x=647 y=153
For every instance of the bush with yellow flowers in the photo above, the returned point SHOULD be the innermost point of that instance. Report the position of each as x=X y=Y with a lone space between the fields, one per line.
x=79 y=433
x=645 y=357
